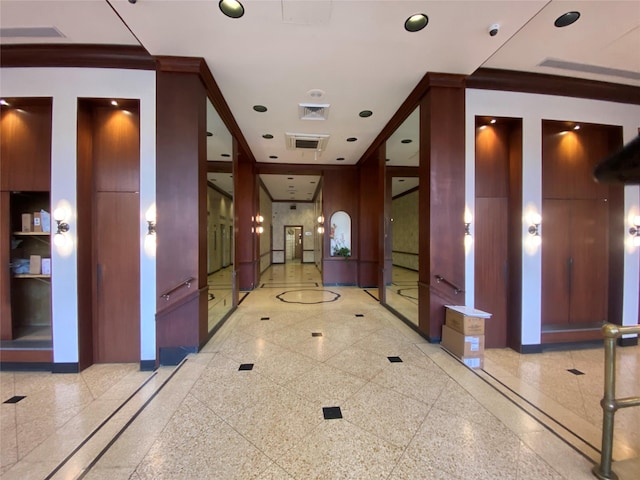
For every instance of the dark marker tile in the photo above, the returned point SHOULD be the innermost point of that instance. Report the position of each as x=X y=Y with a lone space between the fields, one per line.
x=264 y=318
x=395 y=359
x=15 y=399
x=316 y=334
x=246 y=366
x=331 y=413
x=359 y=314
x=575 y=372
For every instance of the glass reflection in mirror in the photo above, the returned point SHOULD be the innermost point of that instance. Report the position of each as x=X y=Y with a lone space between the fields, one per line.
x=219 y=218
x=401 y=255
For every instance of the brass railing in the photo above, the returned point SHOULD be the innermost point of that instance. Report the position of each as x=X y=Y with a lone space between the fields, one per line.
x=610 y=403
x=184 y=283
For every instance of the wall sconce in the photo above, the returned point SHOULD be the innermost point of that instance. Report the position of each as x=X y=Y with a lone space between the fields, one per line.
x=467 y=222
x=150 y=217
x=534 y=227
x=59 y=215
x=320 y=224
x=259 y=227
x=634 y=231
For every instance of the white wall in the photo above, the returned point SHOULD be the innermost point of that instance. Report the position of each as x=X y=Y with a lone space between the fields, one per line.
x=533 y=109
x=66 y=85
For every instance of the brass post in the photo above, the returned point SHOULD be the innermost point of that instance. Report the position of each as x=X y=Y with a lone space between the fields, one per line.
x=608 y=403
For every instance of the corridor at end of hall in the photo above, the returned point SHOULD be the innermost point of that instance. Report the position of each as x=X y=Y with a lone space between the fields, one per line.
x=305 y=381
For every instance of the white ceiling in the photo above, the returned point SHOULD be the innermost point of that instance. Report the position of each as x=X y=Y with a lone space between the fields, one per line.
x=354 y=51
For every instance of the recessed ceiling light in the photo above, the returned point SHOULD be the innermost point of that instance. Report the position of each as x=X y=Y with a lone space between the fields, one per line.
x=209 y=134
x=416 y=22
x=387 y=159
x=340 y=159
x=401 y=180
x=268 y=136
x=365 y=113
x=312 y=181
x=231 y=8
x=225 y=155
x=406 y=140
x=566 y=19
x=273 y=156
x=289 y=178
x=260 y=108
x=351 y=139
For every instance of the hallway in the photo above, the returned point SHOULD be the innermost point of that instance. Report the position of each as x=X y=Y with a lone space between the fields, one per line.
x=306 y=382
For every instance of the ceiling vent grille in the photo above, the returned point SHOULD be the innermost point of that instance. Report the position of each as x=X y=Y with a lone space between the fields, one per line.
x=306 y=141
x=313 y=111
x=31 y=32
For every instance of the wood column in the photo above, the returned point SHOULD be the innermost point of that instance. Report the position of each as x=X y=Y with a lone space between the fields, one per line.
x=371 y=221
x=246 y=203
x=181 y=194
x=442 y=169
x=340 y=193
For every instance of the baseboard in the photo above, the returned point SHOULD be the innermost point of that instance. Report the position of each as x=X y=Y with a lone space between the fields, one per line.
x=72 y=367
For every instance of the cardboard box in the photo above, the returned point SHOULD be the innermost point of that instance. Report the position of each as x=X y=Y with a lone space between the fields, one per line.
x=27 y=222
x=462 y=345
x=35 y=264
x=466 y=320
x=37 y=222
x=46 y=266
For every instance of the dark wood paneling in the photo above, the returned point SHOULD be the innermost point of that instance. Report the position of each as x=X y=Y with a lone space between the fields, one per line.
x=85 y=249
x=177 y=325
x=117 y=322
x=181 y=190
x=341 y=193
x=116 y=150
x=589 y=261
x=569 y=158
x=90 y=56
x=556 y=250
x=371 y=221
x=492 y=161
x=6 y=329
x=25 y=150
x=246 y=206
x=579 y=237
x=442 y=179
x=506 y=80
x=26 y=356
x=570 y=336
x=491 y=293
x=514 y=304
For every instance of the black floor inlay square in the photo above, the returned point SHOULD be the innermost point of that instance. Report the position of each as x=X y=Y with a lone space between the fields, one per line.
x=264 y=318
x=331 y=413
x=575 y=372
x=316 y=334
x=359 y=314
x=15 y=399
x=246 y=366
x=395 y=359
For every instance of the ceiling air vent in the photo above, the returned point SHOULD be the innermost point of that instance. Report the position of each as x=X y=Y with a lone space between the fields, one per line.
x=306 y=141
x=313 y=111
x=31 y=32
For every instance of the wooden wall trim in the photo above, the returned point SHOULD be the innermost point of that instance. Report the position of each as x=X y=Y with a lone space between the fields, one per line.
x=132 y=57
x=512 y=81
x=199 y=65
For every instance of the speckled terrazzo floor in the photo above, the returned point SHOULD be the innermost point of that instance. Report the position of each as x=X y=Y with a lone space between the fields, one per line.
x=302 y=349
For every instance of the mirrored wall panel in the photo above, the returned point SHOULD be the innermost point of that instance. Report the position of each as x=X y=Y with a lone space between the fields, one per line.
x=219 y=218
x=402 y=162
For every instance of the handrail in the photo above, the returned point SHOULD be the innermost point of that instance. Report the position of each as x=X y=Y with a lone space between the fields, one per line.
x=609 y=403
x=456 y=289
x=185 y=283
